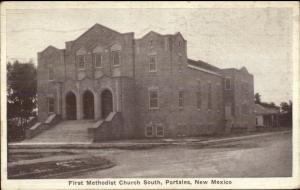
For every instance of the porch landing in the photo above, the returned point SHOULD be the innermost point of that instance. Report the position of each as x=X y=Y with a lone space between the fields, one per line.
x=68 y=131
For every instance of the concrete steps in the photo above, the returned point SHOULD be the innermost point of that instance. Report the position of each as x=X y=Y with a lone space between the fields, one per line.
x=73 y=131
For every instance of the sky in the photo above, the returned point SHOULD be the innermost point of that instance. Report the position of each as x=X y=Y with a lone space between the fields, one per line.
x=258 y=38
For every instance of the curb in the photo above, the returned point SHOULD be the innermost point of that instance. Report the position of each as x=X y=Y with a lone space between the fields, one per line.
x=120 y=145
x=57 y=175
x=54 y=176
x=208 y=142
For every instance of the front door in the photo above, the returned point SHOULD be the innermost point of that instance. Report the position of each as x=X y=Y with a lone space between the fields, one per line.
x=107 y=103
x=70 y=106
x=88 y=105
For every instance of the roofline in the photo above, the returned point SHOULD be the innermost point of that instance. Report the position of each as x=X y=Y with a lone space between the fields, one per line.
x=95 y=26
x=50 y=46
x=204 y=62
x=203 y=70
x=162 y=35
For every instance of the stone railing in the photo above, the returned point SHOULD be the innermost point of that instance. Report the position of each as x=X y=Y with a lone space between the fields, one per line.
x=109 y=129
x=39 y=127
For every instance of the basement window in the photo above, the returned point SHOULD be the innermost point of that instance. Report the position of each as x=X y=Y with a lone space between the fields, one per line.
x=149 y=131
x=159 y=131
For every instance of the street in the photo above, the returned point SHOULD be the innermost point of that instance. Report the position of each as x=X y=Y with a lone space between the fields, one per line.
x=266 y=156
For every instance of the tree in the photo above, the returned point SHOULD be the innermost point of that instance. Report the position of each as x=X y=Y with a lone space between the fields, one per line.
x=286 y=107
x=257 y=98
x=286 y=113
x=21 y=90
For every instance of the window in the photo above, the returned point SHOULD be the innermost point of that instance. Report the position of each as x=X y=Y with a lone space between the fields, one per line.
x=227 y=84
x=198 y=96
x=116 y=58
x=152 y=63
x=81 y=61
x=181 y=99
x=179 y=43
x=181 y=129
x=219 y=100
x=159 y=130
x=50 y=104
x=50 y=74
x=209 y=97
x=245 y=88
x=98 y=60
x=166 y=44
x=149 y=130
x=179 y=63
x=137 y=49
x=153 y=99
x=151 y=43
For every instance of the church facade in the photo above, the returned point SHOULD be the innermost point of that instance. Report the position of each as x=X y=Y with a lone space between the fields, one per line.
x=146 y=87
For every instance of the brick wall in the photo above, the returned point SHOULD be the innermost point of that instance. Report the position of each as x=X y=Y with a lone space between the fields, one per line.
x=173 y=75
x=240 y=97
x=131 y=80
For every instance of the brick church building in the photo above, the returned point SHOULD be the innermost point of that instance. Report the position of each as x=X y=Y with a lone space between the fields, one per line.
x=144 y=87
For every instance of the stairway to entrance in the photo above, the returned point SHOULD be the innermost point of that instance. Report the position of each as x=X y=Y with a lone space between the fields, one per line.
x=68 y=131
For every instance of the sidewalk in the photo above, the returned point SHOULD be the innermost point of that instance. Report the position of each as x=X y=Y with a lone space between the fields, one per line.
x=140 y=143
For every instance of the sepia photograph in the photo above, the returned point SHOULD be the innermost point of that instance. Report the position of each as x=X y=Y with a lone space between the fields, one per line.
x=149 y=95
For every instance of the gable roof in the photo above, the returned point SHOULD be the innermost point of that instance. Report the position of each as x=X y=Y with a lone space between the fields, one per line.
x=161 y=35
x=262 y=110
x=149 y=33
x=96 y=27
x=50 y=47
x=179 y=34
x=203 y=65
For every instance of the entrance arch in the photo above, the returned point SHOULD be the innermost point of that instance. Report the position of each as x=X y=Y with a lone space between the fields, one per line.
x=88 y=105
x=106 y=103
x=71 y=110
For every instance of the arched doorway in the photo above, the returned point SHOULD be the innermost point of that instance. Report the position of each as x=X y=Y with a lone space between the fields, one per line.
x=106 y=103
x=71 y=106
x=88 y=105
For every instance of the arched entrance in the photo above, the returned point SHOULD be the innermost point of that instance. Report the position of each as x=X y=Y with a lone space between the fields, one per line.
x=88 y=105
x=106 y=103
x=71 y=106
